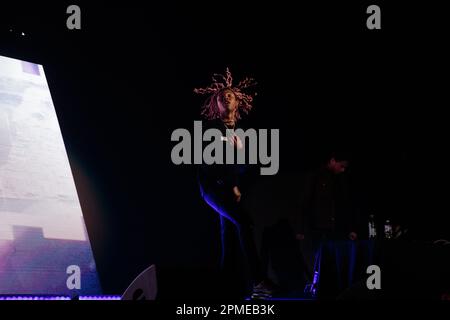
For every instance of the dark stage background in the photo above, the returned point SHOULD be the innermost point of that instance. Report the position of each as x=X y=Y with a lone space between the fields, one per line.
x=124 y=82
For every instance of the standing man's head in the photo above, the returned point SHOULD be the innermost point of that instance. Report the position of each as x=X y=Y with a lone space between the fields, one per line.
x=337 y=162
x=225 y=99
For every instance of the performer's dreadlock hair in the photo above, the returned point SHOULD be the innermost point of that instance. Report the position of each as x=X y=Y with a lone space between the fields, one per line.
x=210 y=109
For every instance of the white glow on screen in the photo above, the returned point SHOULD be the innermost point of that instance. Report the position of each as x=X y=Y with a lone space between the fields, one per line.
x=42 y=230
x=36 y=184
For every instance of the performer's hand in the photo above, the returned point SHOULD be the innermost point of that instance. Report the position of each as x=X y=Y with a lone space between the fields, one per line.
x=237 y=193
x=300 y=236
x=236 y=141
x=353 y=236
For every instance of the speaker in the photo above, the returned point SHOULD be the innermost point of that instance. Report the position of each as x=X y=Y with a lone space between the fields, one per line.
x=144 y=287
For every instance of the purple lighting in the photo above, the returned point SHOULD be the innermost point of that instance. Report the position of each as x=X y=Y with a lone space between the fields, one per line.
x=100 y=297
x=23 y=298
x=41 y=298
x=29 y=67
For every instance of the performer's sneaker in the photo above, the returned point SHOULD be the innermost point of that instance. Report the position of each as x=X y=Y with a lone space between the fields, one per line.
x=262 y=291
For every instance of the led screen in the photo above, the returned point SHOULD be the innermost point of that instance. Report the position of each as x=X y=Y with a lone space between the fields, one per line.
x=44 y=246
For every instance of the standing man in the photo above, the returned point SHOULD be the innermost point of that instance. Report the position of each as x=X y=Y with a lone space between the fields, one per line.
x=327 y=219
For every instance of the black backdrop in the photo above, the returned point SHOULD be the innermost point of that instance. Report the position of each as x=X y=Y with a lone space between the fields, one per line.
x=124 y=82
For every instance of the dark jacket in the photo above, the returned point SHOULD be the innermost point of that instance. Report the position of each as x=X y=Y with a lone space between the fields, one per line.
x=326 y=204
x=225 y=176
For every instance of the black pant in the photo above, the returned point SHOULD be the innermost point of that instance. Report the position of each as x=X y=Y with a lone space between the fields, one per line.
x=334 y=262
x=236 y=226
